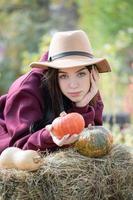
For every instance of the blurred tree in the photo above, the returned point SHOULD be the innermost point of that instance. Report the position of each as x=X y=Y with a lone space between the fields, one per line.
x=64 y=14
x=22 y=24
x=104 y=19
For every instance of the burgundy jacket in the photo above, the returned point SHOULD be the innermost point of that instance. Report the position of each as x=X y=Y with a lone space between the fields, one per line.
x=23 y=105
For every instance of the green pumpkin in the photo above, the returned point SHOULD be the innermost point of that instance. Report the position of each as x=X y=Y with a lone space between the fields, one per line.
x=94 y=141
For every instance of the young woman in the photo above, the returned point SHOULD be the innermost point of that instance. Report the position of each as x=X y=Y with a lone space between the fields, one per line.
x=65 y=79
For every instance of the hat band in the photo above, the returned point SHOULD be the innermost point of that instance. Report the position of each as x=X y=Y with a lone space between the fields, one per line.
x=70 y=53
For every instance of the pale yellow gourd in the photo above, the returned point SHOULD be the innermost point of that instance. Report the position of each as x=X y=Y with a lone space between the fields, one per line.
x=13 y=157
x=6 y=157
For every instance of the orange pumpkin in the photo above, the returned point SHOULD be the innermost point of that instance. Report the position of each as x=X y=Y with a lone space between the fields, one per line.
x=72 y=123
x=96 y=141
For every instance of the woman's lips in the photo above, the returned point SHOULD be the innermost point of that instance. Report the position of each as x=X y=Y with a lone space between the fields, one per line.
x=74 y=94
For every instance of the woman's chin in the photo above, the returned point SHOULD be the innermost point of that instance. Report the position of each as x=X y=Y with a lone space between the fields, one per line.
x=75 y=100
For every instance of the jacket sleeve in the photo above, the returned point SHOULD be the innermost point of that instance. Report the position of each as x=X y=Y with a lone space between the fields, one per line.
x=23 y=107
x=92 y=114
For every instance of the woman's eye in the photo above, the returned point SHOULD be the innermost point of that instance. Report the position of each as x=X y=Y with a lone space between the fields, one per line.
x=81 y=74
x=62 y=76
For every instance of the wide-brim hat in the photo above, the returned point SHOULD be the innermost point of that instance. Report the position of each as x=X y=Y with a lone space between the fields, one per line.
x=71 y=49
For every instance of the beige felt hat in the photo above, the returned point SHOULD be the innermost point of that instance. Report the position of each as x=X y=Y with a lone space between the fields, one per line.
x=71 y=49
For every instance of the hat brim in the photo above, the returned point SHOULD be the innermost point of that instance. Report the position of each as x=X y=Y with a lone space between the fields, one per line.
x=76 y=61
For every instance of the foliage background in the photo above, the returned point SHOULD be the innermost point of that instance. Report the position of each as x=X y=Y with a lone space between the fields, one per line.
x=26 y=27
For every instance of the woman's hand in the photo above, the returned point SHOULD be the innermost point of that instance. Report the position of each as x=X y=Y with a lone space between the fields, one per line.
x=94 y=80
x=66 y=140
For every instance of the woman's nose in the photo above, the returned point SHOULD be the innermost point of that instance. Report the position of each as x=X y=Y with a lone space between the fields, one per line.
x=73 y=83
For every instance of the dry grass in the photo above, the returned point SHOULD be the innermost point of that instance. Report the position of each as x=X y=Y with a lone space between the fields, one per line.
x=67 y=175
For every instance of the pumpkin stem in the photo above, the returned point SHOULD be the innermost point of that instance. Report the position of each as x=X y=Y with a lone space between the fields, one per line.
x=62 y=114
x=37 y=159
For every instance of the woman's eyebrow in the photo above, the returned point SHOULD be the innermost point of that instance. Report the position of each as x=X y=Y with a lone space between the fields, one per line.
x=62 y=72
x=80 y=69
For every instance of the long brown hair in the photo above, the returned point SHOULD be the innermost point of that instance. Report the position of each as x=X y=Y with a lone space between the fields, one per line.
x=54 y=101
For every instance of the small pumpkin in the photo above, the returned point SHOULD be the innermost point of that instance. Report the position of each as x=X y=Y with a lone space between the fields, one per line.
x=13 y=157
x=71 y=123
x=94 y=141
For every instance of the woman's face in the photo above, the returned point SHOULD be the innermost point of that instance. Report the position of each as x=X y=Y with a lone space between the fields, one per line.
x=74 y=82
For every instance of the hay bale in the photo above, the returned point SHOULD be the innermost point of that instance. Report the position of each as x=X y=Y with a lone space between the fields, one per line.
x=67 y=175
